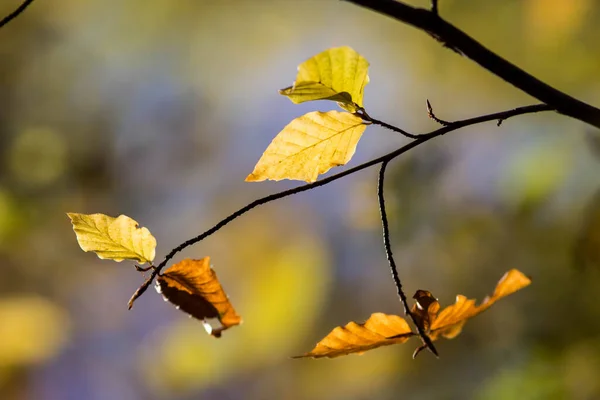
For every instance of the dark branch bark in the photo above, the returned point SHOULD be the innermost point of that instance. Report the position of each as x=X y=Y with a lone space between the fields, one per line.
x=386 y=158
x=434 y=7
x=390 y=257
x=15 y=13
x=462 y=43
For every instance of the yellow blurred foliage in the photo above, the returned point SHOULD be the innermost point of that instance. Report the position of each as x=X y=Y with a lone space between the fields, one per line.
x=38 y=156
x=8 y=215
x=32 y=331
x=534 y=173
x=553 y=22
x=277 y=283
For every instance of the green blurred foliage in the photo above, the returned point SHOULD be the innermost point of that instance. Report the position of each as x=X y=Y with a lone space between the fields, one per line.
x=159 y=110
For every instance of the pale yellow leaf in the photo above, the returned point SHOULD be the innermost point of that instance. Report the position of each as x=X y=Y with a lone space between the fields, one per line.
x=309 y=146
x=339 y=74
x=358 y=338
x=114 y=239
x=193 y=287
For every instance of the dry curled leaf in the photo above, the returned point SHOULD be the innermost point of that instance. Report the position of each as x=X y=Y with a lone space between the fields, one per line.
x=193 y=287
x=309 y=146
x=382 y=330
x=114 y=239
x=425 y=308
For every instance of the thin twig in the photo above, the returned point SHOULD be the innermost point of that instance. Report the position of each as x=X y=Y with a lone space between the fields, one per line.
x=457 y=40
x=15 y=13
x=434 y=7
x=388 y=252
x=142 y=269
x=431 y=115
x=368 y=118
x=390 y=156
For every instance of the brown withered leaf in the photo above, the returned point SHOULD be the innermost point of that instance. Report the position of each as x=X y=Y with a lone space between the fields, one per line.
x=383 y=330
x=425 y=308
x=193 y=287
x=358 y=338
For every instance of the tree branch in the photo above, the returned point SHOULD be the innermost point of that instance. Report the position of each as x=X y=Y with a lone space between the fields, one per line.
x=15 y=13
x=385 y=158
x=457 y=40
x=388 y=252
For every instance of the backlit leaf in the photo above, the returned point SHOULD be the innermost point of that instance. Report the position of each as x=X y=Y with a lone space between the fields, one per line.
x=358 y=338
x=449 y=321
x=383 y=330
x=114 y=239
x=338 y=74
x=193 y=287
x=309 y=146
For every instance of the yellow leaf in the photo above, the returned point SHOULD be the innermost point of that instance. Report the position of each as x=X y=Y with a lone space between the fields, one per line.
x=383 y=330
x=358 y=338
x=193 y=287
x=114 y=239
x=338 y=74
x=309 y=146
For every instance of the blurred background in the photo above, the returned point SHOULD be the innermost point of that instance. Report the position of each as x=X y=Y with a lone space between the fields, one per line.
x=159 y=110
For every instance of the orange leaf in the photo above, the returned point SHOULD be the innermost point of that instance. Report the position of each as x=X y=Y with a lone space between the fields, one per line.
x=383 y=330
x=193 y=287
x=449 y=321
x=358 y=338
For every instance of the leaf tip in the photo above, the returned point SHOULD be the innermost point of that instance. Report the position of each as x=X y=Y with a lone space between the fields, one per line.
x=254 y=178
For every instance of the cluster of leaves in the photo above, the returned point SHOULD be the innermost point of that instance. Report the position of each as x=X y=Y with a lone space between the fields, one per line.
x=191 y=285
x=383 y=329
x=307 y=147
x=318 y=141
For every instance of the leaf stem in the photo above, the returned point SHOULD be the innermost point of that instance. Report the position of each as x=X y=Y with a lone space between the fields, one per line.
x=363 y=114
x=385 y=158
x=390 y=257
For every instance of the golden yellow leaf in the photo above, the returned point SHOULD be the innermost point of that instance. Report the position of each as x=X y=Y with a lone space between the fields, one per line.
x=114 y=239
x=339 y=74
x=358 y=338
x=449 y=321
x=193 y=287
x=383 y=330
x=309 y=146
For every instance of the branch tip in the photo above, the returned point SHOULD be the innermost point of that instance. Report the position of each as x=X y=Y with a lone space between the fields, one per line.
x=140 y=291
x=431 y=115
